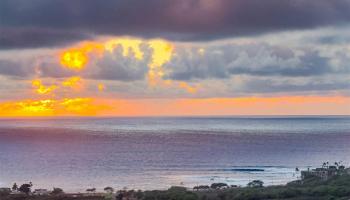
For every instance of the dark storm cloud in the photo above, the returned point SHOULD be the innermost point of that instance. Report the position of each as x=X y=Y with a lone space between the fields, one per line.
x=39 y=23
x=32 y=37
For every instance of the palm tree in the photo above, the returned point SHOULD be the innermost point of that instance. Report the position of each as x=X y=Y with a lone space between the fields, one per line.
x=108 y=189
x=324 y=165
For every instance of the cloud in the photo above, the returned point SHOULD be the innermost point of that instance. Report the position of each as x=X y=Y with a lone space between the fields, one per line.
x=10 y=68
x=258 y=59
x=115 y=66
x=36 y=37
x=42 y=23
x=310 y=85
x=217 y=69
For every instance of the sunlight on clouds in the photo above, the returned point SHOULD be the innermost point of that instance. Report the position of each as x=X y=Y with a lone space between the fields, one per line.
x=42 y=89
x=126 y=45
x=101 y=87
x=74 y=82
x=77 y=58
x=52 y=107
x=188 y=88
x=81 y=106
x=74 y=59
x=201 y=51
x=162 y=51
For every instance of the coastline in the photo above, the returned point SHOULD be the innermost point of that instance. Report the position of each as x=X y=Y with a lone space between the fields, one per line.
x=235 y=175
x=336 y=187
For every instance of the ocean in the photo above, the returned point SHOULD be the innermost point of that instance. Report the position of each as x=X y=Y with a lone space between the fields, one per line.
x=156 y=153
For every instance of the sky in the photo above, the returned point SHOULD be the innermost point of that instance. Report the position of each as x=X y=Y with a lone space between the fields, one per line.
x=174 y=57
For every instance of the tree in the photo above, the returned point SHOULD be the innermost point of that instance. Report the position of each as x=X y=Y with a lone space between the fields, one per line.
x=218 y=185
x=255 y=184
x=108 y=189
x=25 y=188
x=109 y=193
x=91 y=190
x=14 y=187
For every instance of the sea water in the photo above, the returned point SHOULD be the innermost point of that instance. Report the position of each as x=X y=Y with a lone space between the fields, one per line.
x=156 y=153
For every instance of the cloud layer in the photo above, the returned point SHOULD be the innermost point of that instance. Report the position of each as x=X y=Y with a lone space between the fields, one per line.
x=258 y=59
x=229 y=69
x=42 y=23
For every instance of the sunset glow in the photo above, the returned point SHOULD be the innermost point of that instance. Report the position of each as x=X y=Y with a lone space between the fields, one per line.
x=174 y=99
x=177 y=107
x=74 y=82
x=42 y=89
x=51 y=107
x=186 y=61
x=74 y=59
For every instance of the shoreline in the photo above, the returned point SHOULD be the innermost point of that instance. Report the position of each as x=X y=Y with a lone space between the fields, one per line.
x=336 y=187
x=239 y=175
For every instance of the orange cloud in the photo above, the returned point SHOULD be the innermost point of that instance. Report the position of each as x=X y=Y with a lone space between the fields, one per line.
x=101 y=87
x=77 y=58
x=52 y=107
x=42 y=89
x=162 y=51
x=188 y=88
x=289 y=105
x=127 y=44
x=74 y=59
x=74 y=82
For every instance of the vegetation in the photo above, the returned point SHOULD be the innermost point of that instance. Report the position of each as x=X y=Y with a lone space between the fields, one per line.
x=178 y=193
x=25 y=188
x=218 y=185
x=256 y=184
x=14 y=187
x=57 y=191
x=108 y=189
x=336 y=188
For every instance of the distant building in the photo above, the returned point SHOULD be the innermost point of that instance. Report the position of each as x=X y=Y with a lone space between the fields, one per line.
x=325 y=172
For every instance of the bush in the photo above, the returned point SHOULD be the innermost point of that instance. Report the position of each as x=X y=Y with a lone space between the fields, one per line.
x=177 y=189
x=255 y=183
x=174 y=193
x=252 y=194
x=218 y=185
x=289 y=193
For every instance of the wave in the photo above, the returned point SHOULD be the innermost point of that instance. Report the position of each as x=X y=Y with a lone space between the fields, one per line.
x=244 y=170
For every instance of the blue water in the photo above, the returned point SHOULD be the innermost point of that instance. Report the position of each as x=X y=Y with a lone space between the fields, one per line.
x=155 y=153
